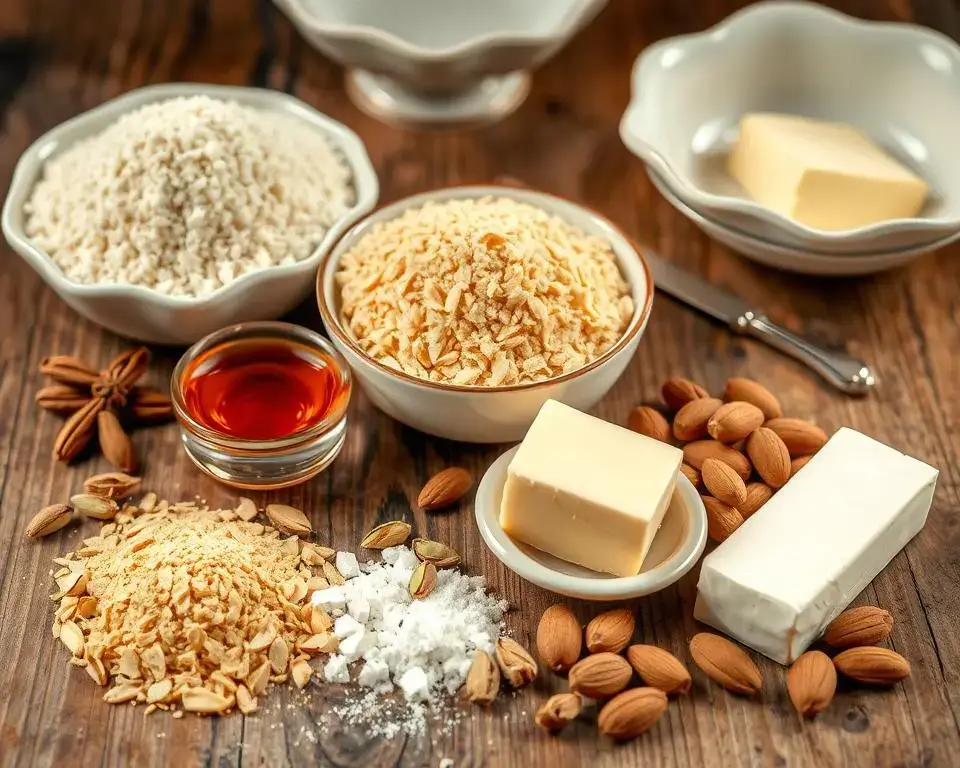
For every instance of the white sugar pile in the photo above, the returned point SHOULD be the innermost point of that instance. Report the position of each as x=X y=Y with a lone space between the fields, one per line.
x=425 y=646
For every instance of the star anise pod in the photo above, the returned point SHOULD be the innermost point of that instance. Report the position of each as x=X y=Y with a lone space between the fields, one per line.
x=101 y=403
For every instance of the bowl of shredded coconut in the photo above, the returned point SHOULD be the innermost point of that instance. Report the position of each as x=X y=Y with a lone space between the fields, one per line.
x=462 y=310
x=177 y=209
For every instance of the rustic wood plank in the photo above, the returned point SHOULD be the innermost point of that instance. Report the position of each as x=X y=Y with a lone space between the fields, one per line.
x=64 y=58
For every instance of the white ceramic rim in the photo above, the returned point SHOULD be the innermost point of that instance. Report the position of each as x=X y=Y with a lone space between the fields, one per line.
x=614 y=588
x=609 y=230
x=31 y=163
x=672 y=197
x=714 y=35
x=579 y=13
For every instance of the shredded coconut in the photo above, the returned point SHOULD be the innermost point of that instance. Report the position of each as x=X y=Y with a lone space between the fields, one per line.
x=184 y=196
x=423 y=647
x=483 y=293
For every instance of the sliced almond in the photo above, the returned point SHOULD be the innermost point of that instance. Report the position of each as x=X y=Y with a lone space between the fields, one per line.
x=204 y=701
x=289 y=520
x=72 y=636
x=300 y=673
x=246 y=510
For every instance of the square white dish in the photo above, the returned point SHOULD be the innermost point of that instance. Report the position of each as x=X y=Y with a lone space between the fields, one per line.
x=899 y=83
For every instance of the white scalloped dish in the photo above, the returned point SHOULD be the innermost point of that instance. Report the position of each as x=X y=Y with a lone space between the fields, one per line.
x=899 y=83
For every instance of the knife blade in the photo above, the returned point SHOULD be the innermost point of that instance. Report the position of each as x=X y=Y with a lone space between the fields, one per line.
x=849 y=375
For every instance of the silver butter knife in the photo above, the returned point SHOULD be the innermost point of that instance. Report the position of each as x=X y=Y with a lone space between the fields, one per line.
x=842 y=371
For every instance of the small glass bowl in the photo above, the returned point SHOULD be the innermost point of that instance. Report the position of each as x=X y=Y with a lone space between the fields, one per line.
x=271 y=463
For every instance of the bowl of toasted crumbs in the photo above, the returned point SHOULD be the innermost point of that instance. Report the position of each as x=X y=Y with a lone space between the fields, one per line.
x=462 y=310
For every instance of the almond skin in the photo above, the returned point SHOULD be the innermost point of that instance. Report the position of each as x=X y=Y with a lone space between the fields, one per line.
x=697 y=452
x=758 y=494
x=798 y=463
x=873 y=665
x=811 y=683
x=723 y=483
x=802 y=438
x=866 y=625
x=691 y=474
x=610 y=631
x=558 y=710
x=559 y=638
x=659 y=668
x=749 y=391
x=650 y=422
x=690 y=423
x=444 y=489
x=631 y=713
x=722 y=519
x=678 y=392
x=734 y=421
x=725 y=663
x=600 y=676
x=770 y=457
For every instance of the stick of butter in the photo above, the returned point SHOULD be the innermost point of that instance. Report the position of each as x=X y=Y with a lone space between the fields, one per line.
x=827 y=176
x=790 y=569
x=587 y=491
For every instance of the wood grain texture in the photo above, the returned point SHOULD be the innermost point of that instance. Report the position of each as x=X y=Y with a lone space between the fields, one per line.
x=58 y=58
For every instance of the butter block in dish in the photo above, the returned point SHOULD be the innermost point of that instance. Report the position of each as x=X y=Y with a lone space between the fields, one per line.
x=791 y=568
x=828 y=176
x=587 y=491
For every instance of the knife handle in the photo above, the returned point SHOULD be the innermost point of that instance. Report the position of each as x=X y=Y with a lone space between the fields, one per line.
x=842 y=371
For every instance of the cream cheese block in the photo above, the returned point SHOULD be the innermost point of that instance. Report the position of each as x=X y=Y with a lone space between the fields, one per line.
x=587 y=491
x=792 y=567
x=828 y=176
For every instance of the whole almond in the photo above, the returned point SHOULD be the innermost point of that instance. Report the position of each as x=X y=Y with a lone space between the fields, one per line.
x=650 y=422
x=289 y=520
x=811 y=683
x=798 y=463
x=444 y=489
x=749 y=391
x=734 y=421
x=48 y=520
x=725 y=663
x=758 y=494
x=559 y=638
x=659 y=668
x=678 y=392
x=516 y=663
x=723 y=483
x=866 y=625
x=690 y=423
x=600 y=676
x=96 y=507
x=558 y=710
x=869 y=664
x=770 y=457
x=697 y=452
x=691 y=474
x=610 y=631
x=802 y=438
x=483 y=679
x=722 y=519
x=632 y=712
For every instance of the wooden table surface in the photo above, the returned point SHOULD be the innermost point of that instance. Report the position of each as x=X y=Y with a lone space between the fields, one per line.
x=58 y=58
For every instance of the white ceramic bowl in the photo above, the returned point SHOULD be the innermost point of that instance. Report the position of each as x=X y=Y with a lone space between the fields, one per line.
x=675 y=550
x=781 y=256
x=486 y=414
x=141 y=313
x=899 y=83
x=439 y=62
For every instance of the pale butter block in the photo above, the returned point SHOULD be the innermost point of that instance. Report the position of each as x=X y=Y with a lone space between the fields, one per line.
x=827 y=176
x=587 y=491
x=790 y=569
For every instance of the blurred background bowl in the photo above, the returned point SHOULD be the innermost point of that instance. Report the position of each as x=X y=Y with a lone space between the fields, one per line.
x=439 y=63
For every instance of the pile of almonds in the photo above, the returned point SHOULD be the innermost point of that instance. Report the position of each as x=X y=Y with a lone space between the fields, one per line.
x=606 y=677
x=737 y=451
